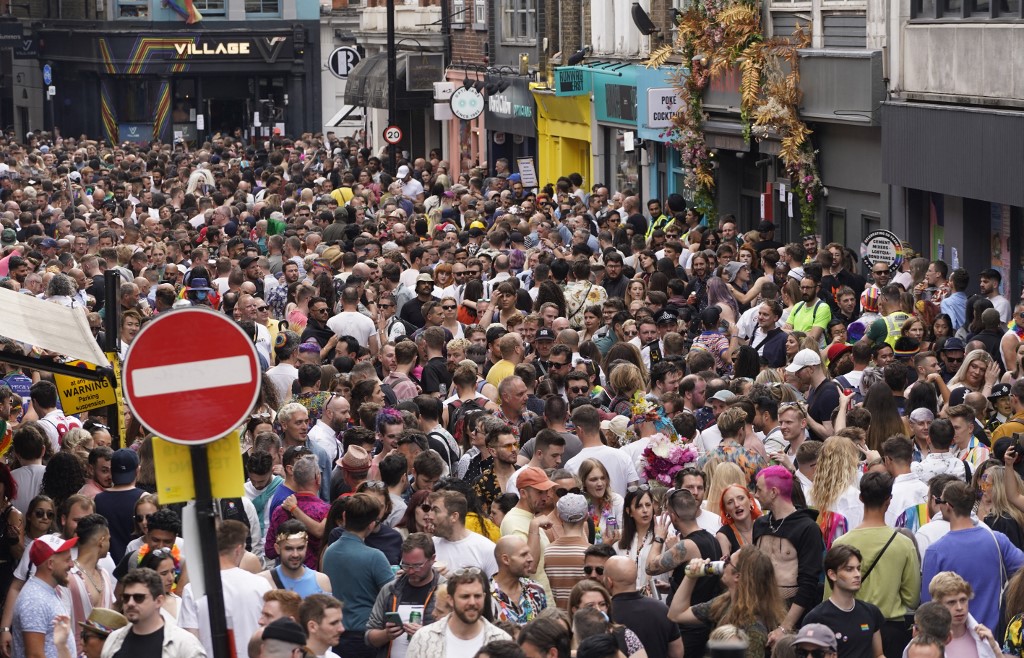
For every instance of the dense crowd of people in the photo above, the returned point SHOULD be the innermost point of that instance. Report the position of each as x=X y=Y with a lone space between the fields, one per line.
x=508 y=422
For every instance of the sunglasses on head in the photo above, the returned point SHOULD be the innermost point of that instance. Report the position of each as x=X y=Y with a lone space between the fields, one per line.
x=638 y=487
x=588 y=570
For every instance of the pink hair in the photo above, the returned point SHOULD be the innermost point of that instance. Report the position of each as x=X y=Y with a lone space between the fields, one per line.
x=778 y=477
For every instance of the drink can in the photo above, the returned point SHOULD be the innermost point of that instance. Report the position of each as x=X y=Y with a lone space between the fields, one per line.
x=395 y=569
x=415 y=617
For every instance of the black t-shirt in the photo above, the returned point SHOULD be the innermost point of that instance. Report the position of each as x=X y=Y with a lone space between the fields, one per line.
x=434 y=374
x=1005 y=524
x=142 y=645
x=648 y=618
x=119 y=508
x=412 y=312
x=854 y=630
x=822 y=402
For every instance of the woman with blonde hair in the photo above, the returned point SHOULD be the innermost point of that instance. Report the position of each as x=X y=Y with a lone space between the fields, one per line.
x=625 y=380
x=450 y=313
x=978 y=372
x=605 y=506
x=834 y=490
x=738 y=509
x=751 y=601
x=998 y=486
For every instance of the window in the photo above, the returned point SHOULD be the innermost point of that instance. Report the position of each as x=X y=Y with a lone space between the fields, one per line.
x=133 y=9
x=209 y=7
x=265 y=7
x=459 y=16
x=960 y=9
x=519 y=22
x=480 y=14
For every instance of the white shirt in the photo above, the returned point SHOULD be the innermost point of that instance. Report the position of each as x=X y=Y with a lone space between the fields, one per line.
x=473 y=551
x=709 y=521
x=907 y=491
x=355 y=324
x=458 y=648
x=412 y=189
x=29 y=480
x=243 y=602
x=1002 y=305
x=322 y=435
x=621 y=470
x=282 y=376
x=56 y=425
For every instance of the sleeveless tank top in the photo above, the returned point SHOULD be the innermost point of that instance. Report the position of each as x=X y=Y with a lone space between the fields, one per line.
x=303 y=586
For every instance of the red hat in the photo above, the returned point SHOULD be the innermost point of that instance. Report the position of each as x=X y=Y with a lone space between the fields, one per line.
x=531 y=476
x=47 y=546
x=836 y=350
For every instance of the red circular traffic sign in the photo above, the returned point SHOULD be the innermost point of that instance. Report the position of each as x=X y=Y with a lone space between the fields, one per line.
x=191 y=376
x=392 y=135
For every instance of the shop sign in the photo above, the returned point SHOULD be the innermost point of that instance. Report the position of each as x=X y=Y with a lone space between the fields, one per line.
x=662 y=106
x=267 y=48
x=27 y=48
x=467 y=104
x=135 y=133
x=512 y=110
x=10 y=34
x=571 y=81
x=882 y=246
x=422 y=70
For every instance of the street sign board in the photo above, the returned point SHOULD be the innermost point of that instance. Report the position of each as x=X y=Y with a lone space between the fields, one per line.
x=392 y=135
x=47 y=74
x=78 y=395
x=342 y=61
x=191 y=376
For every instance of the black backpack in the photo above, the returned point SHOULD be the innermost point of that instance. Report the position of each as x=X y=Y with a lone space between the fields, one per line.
x=232 y=509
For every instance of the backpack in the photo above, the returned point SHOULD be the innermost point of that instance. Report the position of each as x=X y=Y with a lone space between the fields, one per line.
x=232 y=509
x=458 y=410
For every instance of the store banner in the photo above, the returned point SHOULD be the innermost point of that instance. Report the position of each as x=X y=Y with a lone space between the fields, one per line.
x=513 y=110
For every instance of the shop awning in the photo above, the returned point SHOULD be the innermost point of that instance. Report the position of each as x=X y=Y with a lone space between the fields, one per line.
x=367 y=84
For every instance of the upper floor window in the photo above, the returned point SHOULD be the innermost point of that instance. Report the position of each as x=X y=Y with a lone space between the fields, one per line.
x=973 y=9
x=459 y=14
x=264 y=7
x=133 y=9
x=480 y=14
x=519 y=20
x=210 y=7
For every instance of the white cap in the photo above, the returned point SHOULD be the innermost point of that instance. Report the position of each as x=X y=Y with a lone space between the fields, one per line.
x=403 y=171
x=803 y=359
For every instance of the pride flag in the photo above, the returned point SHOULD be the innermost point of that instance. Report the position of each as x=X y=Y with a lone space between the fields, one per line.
x=186 y=9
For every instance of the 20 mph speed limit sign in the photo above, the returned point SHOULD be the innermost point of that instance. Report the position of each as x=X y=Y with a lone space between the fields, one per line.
x=392 y=135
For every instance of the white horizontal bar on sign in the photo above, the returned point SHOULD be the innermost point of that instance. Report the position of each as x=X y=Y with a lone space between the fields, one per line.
x=192 y=376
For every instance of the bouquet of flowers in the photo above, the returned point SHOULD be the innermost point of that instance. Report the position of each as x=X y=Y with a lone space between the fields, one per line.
x=663 y=458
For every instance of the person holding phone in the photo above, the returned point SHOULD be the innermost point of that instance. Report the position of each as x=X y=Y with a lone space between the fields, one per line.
x=408 y=602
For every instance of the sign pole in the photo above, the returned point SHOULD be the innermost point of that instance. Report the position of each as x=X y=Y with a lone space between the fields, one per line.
x=207 y=514
x=111 y=332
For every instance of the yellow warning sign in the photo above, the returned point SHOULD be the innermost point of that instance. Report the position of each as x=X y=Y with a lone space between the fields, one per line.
x=78 y=395
x=174 y=477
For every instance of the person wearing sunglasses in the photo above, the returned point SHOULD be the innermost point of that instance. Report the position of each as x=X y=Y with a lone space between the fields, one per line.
x=815 y=641
x=141 y=600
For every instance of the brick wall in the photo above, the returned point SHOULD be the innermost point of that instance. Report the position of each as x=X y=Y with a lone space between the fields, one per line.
x=469 y=44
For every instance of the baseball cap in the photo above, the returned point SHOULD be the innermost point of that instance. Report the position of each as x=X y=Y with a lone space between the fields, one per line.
x=403 y=171
x=247 y=261
x=999 y=391
x=819 y=635
x=803 y=359
x=836 y=350
x=287 y=631
x=922 y=414
x=531 y=476
x=953 y=345
x=48 y=243
x=572 y=508
x=123 y=465
x=544 y=333
x=725 y=395
x=765 y=226
x=49 y=545
x=8 y=237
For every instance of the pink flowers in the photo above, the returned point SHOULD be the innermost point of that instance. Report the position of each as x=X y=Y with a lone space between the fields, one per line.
x=663 y=458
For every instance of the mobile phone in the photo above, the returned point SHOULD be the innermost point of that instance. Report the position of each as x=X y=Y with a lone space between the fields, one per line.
x=393 y=618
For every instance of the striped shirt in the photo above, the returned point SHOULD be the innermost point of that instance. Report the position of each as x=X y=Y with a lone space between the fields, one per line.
x=563 y=564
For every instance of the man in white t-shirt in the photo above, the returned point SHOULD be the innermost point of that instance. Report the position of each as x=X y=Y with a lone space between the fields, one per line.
x=455 y=547
x=621 y=471
x=243 y=593
x=412 y=189
x=350 y=322
x=286 y=372
x=52 y=419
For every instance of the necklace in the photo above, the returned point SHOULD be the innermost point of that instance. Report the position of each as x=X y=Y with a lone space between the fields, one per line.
x=771 y=525
x=89 y=578
x=850 y=609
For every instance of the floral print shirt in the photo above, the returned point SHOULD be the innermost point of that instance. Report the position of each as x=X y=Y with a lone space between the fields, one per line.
x=530 y=603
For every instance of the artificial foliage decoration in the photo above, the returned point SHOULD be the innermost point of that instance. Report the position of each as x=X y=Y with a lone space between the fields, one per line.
x=717 y=36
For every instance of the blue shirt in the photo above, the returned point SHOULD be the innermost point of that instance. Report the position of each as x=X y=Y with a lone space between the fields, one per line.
x=37 y=605
x=357 y=574
x=955 y=306
x=974 y=555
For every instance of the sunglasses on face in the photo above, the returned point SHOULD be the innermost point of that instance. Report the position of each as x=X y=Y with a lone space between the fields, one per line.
x=578 y=389
x=139 y=518
x=589 y=570
x=562 y=491
x=43 y=514
x=425 y=508
x=448 y=308
x=139 y=597
x=810 y=653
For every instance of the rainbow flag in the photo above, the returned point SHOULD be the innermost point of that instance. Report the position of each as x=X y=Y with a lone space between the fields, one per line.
x=914 y=517
x=186 y=9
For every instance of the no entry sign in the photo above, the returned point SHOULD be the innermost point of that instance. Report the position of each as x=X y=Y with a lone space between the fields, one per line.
x=191 y=376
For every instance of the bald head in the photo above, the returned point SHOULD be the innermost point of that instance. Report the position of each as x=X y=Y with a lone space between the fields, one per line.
x=620 y=572
x=508 y=545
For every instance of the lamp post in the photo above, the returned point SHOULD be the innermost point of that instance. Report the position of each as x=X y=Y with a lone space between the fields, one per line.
x=392 y=82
